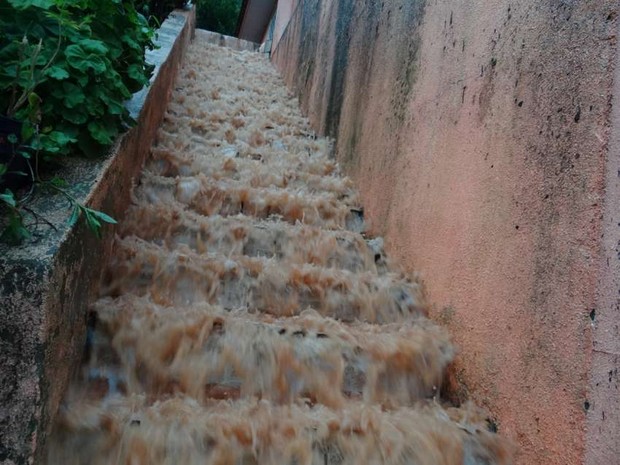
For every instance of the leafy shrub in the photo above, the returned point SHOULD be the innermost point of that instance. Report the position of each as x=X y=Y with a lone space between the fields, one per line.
x=218 y=15
x=77 y=62
x=66 y=69
x=158 y=9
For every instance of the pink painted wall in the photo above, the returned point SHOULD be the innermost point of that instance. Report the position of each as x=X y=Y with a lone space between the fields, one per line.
x=256 y=20
x=482 y=137
x=284 y=14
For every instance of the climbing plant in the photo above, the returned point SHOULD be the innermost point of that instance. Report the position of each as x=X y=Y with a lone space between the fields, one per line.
x=66 y=69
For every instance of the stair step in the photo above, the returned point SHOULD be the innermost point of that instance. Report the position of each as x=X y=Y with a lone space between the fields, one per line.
x=203 y=349
x=211 y=132
x=246 y=235
x=279 y=150
x=252 y=174
x=240 y=114
x=208 y=135
x=180 y=430
x=226 y=198
x=183 y=277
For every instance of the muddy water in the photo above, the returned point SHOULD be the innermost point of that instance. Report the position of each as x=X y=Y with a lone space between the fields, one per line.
x=244 y=319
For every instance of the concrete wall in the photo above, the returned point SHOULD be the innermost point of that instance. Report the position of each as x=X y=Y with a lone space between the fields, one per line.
x=284 y=12
x=222 y=40
x=482 y=137
x=46 y=285
x=255 y=21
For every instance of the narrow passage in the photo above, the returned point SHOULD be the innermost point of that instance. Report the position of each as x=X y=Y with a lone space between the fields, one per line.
x=245 y=318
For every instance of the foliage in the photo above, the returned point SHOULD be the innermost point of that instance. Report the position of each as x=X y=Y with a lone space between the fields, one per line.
x=218 y=15
x=72 y=64
x=16 y=230
x=66 y=69
x=158 y=10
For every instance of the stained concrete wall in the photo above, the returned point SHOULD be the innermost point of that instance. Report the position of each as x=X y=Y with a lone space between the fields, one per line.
x=222 y=40
x=484 y=139
x=284 y=12
x=255 y=20
x=47 y=284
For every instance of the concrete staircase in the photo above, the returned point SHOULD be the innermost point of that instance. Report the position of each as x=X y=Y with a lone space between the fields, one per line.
x=245 y=318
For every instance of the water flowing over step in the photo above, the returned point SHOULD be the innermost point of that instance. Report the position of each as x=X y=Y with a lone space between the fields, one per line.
x=246 y=235
x=244 y=319
x=190 y=348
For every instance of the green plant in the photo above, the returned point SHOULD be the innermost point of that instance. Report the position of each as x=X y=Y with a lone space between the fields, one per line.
x=218 y=15
x=15 y=227
x=84 y=57
x=158 y=10
x=93 y=217
x=66 y=67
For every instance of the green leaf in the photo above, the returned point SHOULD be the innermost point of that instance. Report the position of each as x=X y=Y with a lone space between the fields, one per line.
x=46 y=145
x=8 y=198
x=95 y=107
x=77 y=115
x=117 y=86
x=33 y=99
x=92 y=222
x=103 y=217
x=115 y=108
x=79 y=59
x=90 y=217
x=61 y=138
x=58 y=182
x=93 y=46
x=34 y=108
x=27 y=131
x=69 y=130
x=83 y=80
x=136 y=72
x=73 y=95
x=127 y=39
x=15 y=232
x=12 y=138
x=102 y=132
x=3 y=168
x=23 y=4
x=57 y=72
x=75 y=215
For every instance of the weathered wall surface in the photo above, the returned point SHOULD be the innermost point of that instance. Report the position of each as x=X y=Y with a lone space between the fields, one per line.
x=46 y=286
x=479 y=134
x=284 y=12
x=256 y=16
x=226 y=41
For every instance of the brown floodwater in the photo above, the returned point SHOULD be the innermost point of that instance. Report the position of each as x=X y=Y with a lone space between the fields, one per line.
x=245 y=318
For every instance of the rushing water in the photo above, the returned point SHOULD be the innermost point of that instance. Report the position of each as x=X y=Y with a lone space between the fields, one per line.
x=244 y=319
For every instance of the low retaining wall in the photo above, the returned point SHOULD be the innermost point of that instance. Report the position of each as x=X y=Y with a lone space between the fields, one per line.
x=222 y=40
x=481 y=138
x=46 y=286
